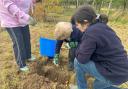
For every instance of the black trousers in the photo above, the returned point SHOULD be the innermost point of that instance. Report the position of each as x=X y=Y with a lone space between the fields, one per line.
x=71 y=55
x=21 y=44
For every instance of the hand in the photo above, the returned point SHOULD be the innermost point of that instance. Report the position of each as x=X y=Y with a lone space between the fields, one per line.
x=56 y=59
x=32 y=21
x=67 y=45
x=73 y=44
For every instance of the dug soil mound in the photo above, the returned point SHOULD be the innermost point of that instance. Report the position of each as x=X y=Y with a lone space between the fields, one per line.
x=45 y=76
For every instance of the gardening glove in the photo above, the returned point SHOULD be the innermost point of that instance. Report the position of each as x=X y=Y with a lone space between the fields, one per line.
x=32 y=21
x=72 y=44
x=67 y=45
x=56 y=59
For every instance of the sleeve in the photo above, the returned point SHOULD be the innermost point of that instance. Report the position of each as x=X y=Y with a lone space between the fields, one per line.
x=58 y=46
x=34 y=1
x=13 y=9
x=33 y=5
x=77 y=34
x=80 y=34
x=86 y=49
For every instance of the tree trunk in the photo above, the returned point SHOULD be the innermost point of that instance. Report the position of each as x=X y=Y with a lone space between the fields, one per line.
x=109 y=7
x=100 y=6
x=93 y=3
x=124 y=5
x=77 y=3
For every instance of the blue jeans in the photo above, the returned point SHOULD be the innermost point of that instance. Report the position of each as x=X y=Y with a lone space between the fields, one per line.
x=90 y=68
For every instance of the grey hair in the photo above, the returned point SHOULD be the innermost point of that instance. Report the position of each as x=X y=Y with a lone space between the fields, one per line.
x=63 y=30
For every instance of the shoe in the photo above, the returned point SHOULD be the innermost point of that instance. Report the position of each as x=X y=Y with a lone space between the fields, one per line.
x=56 y=60
x=70 y=66
x=73 y=86
x=24 y=69
x=33 y=58
x=123 y=85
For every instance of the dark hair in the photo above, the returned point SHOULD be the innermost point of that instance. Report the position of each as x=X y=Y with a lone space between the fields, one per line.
x=85 y=12
x=73 y=20
x=102 y=18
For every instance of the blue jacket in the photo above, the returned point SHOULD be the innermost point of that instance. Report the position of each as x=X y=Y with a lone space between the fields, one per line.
x=101 y=45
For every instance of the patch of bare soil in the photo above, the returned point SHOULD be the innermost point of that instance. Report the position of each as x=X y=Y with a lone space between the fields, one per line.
x=43 y=74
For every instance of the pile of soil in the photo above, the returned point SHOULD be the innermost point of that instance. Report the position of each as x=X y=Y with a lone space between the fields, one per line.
x=45 y=76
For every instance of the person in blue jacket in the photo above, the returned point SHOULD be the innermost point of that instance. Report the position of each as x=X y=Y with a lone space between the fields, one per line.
x=100 y=53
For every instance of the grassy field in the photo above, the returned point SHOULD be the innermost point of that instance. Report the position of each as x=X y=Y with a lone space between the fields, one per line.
x=44 y=75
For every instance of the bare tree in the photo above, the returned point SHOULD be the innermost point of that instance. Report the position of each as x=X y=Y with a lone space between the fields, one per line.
x=125 y=4
x=77 y=3
x=109 y=7
x=93 y=3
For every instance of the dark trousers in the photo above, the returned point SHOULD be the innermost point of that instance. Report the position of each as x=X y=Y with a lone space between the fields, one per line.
x=71 y=55
x=21 y=44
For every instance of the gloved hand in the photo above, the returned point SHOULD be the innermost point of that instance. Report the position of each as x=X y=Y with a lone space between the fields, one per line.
x=71 y=45
x=56 y=59
x=32 y=21
x=67 y=45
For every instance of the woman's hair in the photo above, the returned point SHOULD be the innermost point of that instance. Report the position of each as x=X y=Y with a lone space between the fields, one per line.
x=63 y=30
x=86 y=12
x=73 y=20
x=102 y=18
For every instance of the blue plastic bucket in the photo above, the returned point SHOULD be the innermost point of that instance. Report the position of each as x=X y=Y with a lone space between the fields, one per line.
x=47 y=47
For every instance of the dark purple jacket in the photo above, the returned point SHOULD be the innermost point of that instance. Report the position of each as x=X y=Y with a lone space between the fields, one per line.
x=101 y=45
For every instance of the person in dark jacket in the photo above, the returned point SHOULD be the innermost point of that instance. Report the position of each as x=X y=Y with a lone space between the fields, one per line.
x=72 y=42
x=100 y=53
